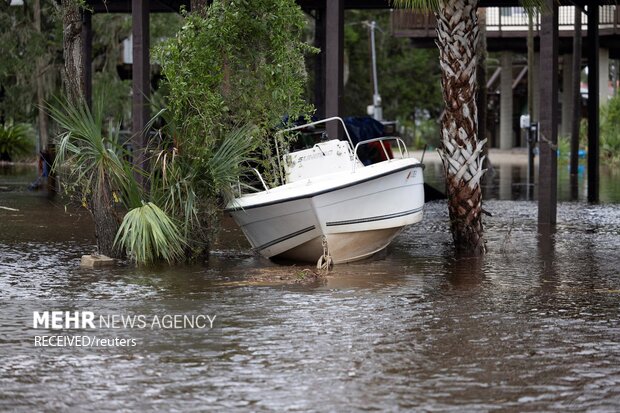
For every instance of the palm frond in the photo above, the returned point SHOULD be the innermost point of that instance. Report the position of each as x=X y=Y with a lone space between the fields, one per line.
x=95 y=159
x=533 y=7
x=230 y=159
x=172 y=186
x=147 y=233
x=16 y=139
x=422 y=5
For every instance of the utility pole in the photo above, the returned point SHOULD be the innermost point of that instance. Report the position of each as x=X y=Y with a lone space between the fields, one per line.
x=377 y=110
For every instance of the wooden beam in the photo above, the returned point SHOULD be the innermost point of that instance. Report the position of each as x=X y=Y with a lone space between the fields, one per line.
x=334 y=61
x=141 y=80
x=593 y=104
x=548 y=137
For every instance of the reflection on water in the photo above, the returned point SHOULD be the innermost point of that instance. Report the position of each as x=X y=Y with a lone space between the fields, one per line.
x=532 y=326
x=508 y=181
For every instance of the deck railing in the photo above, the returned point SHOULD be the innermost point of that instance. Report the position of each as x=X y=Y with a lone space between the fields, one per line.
x=504 y=21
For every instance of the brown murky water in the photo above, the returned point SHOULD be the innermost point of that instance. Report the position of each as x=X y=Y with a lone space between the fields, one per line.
x=533 y=326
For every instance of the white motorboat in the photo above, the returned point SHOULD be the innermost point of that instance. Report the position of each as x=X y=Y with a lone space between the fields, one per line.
x=331 y=203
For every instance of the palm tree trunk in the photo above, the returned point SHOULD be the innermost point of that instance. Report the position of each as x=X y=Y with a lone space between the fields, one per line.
x=457 y=38
x=73 y=73
x=107 y=222
x=101 y=205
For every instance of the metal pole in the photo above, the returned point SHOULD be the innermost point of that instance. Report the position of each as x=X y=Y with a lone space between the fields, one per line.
x=376 y=98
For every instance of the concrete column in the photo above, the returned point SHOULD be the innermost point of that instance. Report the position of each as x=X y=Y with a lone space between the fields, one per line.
x=603 y=76
x=567 y=95
x=505 y=118
x=536 y=81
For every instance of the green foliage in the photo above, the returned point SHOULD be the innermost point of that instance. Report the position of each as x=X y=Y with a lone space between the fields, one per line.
x=91 y=153
x=422 y=132
x=171 y=219
x=95 y=165
x=147 y=233
x=24 y=50
x=609 y=143
x=409 y=77
x=188 y=186
x=423 y=5
x=563 y=148
x=610 y=130
x=241 y=63
x=16 y=140
x=583 y=132
x=531 y=6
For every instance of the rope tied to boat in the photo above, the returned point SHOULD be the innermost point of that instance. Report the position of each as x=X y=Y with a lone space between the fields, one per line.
x=324 y=264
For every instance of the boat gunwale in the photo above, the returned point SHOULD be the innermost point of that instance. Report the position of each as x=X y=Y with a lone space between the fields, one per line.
x=324 y=191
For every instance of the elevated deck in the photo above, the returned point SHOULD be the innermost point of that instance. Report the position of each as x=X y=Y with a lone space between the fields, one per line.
x=507 y=27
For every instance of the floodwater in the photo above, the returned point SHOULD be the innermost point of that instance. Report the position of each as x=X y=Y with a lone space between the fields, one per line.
x=532 y=326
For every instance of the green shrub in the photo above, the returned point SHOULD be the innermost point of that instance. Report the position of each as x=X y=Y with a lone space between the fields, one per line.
x=239 y=63
x=16 y=141
x=563 y=148
x=610 y=130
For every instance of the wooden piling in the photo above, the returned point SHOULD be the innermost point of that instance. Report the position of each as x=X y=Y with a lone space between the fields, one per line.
x=593 y=103
x=548 y=137
x=334 y=62
x=141 y=80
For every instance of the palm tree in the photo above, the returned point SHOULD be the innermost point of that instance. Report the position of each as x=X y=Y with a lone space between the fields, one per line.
x=73 y=73
x=93 y=159
x=461 y=151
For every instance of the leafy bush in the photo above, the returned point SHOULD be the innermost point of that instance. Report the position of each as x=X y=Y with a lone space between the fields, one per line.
x=609 y=142
x=237 y=63
x=165 y=219
x=563 y=148
x=16 y=141
x=610 y=130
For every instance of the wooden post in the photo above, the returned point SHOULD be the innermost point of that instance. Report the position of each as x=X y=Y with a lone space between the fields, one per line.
x=141 y=83
x=576 y=121
x=319 y=62
x=547 y=172
x=593 y=104
x=334 y=61
x=87 y=51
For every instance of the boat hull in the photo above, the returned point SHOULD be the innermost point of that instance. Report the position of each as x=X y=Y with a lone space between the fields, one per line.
x=356 y=214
